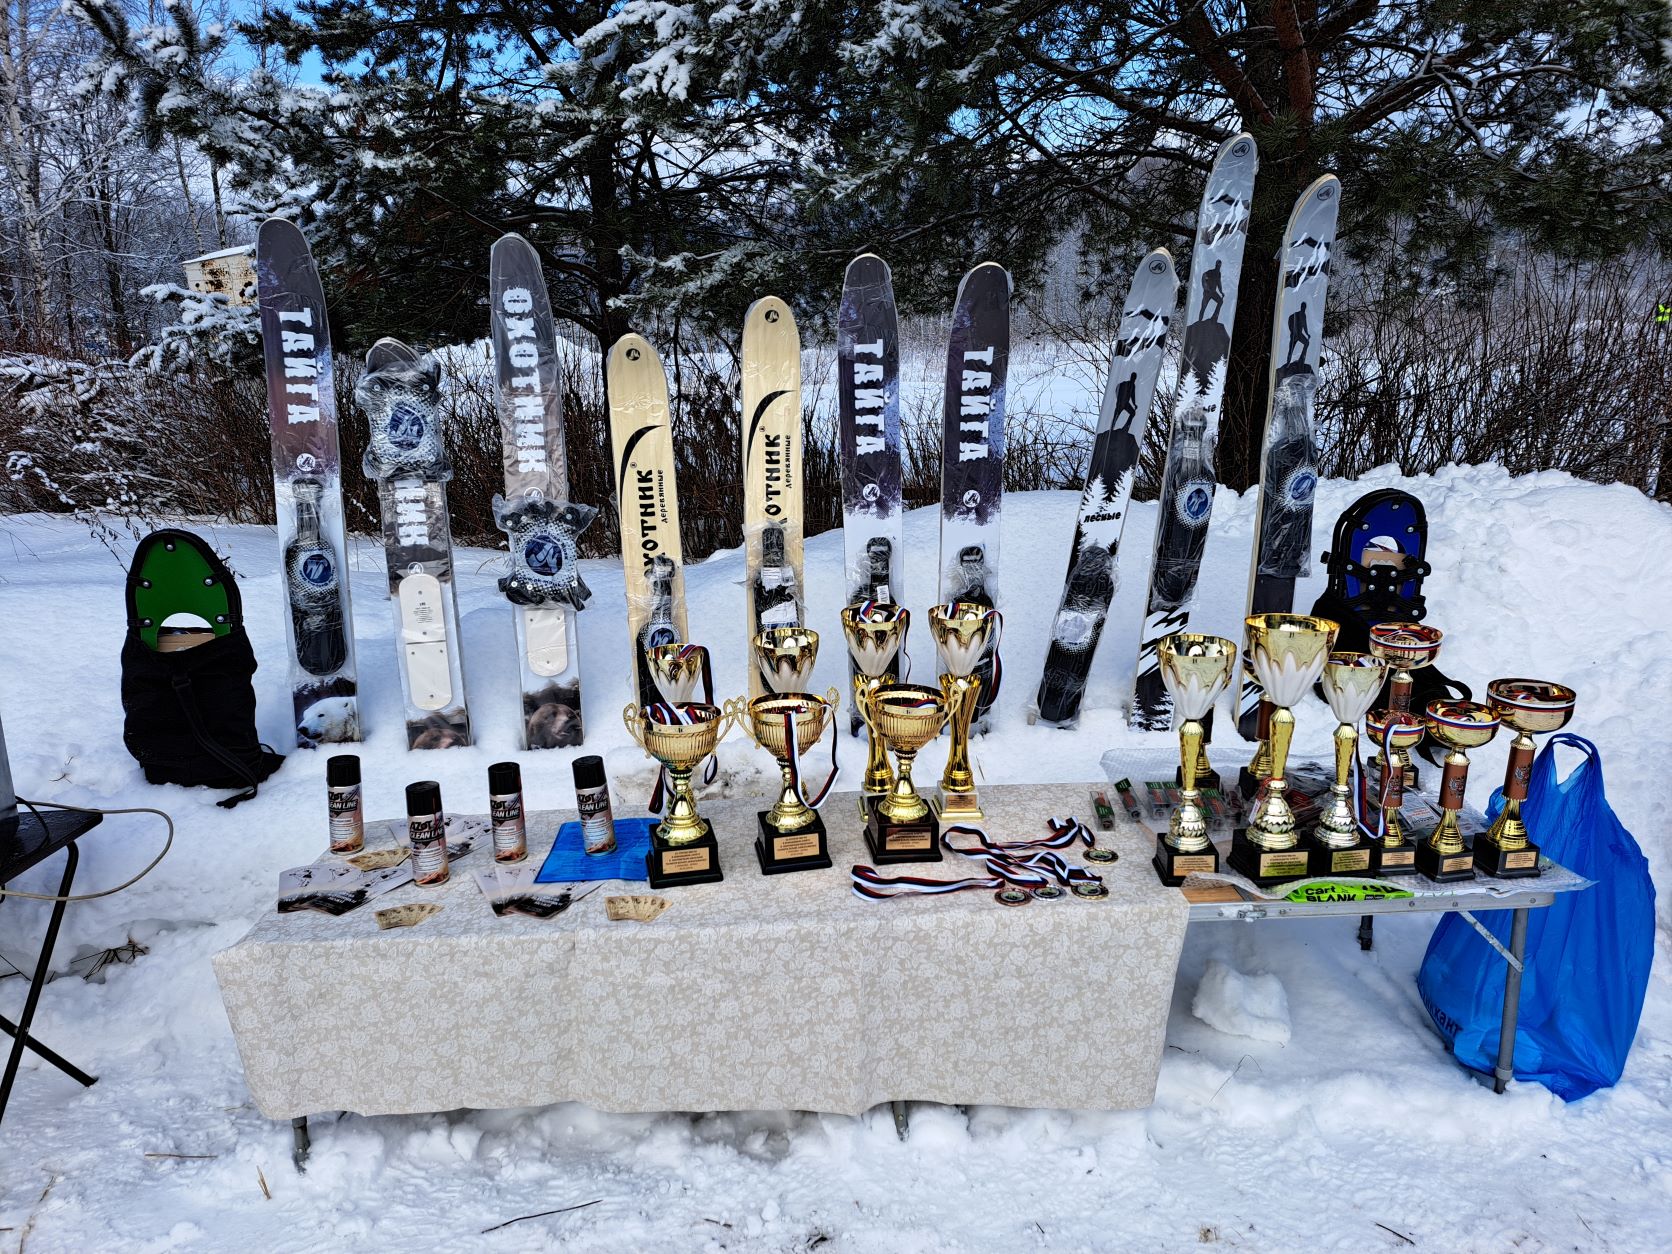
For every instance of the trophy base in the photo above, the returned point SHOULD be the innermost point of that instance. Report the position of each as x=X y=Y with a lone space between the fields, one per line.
x=958 y=807
x=805 y=849
x=1204 y=779
x=888 y=841
x=672 y=866
x=1506 y=864
x=1268 y=866
x=1400 y=860
x=1357 y=859
x=1445 y=868
x=1172 y=865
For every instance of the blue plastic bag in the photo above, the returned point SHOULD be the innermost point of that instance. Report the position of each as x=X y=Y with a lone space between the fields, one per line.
x=1588 y=955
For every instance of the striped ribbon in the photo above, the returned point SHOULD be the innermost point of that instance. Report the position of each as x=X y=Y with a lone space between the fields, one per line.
x=793 y=757
x=1006 y=863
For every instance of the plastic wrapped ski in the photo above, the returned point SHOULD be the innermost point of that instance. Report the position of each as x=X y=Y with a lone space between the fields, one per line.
x=1093 y=569
x=972 y=454
x=647 y=496
x=400 y=395
x=1288 y=466
x=868 y=399
x=772 y=518
x=542 y=526
x=1186 y=498
x=307 y=487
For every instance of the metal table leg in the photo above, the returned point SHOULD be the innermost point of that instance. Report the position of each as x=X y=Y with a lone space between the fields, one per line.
x=20 y=1030
x=1366 y=931
x=300 y=1143
x=902 y=1119
x=1504 y=1072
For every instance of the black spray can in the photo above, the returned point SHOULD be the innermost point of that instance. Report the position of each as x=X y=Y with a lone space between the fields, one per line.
x=592 y=799
x=342 y=801
x=427 y=830
x=505 y=808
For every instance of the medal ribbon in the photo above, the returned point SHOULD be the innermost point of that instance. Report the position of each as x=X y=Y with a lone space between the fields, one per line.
x=793 y=757
x=1005 y=864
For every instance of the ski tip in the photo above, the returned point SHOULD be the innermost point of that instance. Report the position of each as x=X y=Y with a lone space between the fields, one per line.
x=1158 y=262
x=1239 y=148
x=274 y=229
x=632 y=351
x=510 y=242
x=769 y=310
x=867 y=268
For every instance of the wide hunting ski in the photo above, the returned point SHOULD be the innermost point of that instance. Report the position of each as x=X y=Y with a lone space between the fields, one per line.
x=772 y=507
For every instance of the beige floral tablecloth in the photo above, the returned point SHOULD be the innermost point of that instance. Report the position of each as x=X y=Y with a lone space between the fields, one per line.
x=785 y=992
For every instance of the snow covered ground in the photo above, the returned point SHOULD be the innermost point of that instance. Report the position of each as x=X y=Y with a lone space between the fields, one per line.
x=1357 y=1134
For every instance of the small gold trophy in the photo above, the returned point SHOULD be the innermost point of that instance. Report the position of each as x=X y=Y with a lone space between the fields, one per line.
x=1529 y=706
x=1405 y=647
x=875 y=633
x=1286 y=653
x=1399 y=731
x=682 y=847
x=1459 y=726
x=1195 y=670
x=787 y=725
x=1351 y=683
x=899 y=826
x=675 y=669
x=963 y=632
x=785 y=656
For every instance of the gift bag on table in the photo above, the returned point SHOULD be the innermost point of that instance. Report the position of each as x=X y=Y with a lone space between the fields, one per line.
x=1588 y=955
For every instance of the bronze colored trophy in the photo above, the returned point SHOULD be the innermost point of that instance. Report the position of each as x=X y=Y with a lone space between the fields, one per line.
x=963 y=632
x=1405 y=647
x=785 y=656
x=875 y=633
x=1459 y=726
x=1287 y=654
x=1400 y=731
x=792 y=835
x=1529 y=706
x=682 y=847
x=899 y=826
x=675 y=669
x=1351 y=683
x=1195 y=669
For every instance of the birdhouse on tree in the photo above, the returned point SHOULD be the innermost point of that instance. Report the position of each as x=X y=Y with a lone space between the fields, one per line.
x=229 y=273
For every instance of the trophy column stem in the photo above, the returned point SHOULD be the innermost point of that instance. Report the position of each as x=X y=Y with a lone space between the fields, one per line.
x=879 y=776
x=1274 y=826
x=1190 y=752
x=903 y=804
x=682 y=824
x=1447 y=838
x=961 y=694
x=1260 y=767
x=1508 y=832
x=1340 y=817
x=1399 y=691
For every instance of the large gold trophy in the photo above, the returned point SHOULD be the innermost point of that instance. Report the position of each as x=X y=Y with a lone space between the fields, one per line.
x=1405 y=647
x=1195 y=670
x=1395 y=733
x=1529 y=706
x=788 y=725
x=1459 y=726
x=963 y=632
x=1351 y=683
x=1286 y=653
x=785 y=657
x=875 y=633
x=682 y=846
x=899 y=826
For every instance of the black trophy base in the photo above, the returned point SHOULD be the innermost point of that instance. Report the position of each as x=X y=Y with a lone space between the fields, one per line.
x=1248 y=783
x=1357 y=859
x=1173 y=865
x=1505 y=864
x=889 y=841
x=1268 y=866
x=1397 y=861
x=1444 y=868
x=804 y=849
x=1204 y=779
x=672 y=866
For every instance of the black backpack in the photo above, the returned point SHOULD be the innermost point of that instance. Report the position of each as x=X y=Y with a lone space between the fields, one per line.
x=186 y=694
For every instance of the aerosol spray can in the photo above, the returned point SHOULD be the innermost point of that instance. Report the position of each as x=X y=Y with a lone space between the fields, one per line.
x=342 y=803
x=427 y=830
x=592 y=799
x=505 y=807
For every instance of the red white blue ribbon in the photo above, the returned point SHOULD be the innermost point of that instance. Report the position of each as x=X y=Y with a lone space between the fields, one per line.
x=1025 y=864
x=793 y=757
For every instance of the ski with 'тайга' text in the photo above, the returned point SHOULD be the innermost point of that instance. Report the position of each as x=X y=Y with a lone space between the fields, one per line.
x=542 y=526
x=1185 y=505
x=772 y=518
x=307 y=483
x=400 y=395
x=1093 y=563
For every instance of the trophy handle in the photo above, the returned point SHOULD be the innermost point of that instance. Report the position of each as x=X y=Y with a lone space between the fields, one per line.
x=736 y=709
x=630 y=716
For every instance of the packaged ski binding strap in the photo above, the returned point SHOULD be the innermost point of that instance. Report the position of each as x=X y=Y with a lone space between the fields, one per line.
x=1587 y=955
x=187 y=699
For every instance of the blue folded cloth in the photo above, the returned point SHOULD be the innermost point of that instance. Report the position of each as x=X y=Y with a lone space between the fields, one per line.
x=570 y=863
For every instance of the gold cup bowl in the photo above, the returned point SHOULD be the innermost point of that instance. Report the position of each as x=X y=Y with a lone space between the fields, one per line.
x=963 y=632
x=680 y=746
x=785 y=658
x=875 y=635
x=765 y=719
x=1195 y=669
x=675 y=669
x=908 y=716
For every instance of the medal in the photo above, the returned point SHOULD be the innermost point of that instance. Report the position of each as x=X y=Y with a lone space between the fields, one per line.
x=1091 y=890
x=1096 y=854
x=1048 y=892
x=1012 y=897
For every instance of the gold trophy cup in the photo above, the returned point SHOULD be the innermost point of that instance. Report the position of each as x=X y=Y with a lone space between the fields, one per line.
x=682 y=847
x=1351 y=683
x=785 y=656
x=899 y=826
x=788 y=725
x=1400 y=731
x=1529 y=706
x=963 y=632
x=1405 y=647
x=875 y=634
x=1459 y=726
x=1195 y=670
x=675 y=669
x=1287 y=653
